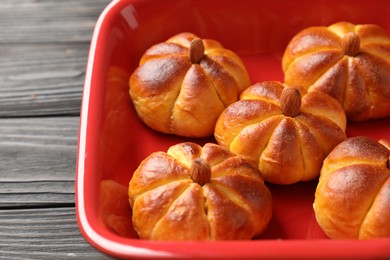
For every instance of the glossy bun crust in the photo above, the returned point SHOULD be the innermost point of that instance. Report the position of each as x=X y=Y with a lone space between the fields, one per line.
x=349 y=62
x=168 y=204
x=352 y=200
x=175 y=93
x=286 y=149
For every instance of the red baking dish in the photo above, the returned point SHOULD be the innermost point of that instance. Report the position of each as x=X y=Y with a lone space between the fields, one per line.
x=113 y=140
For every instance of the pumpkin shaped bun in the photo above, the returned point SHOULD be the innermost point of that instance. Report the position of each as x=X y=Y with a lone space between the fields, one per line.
x=347 y=61
x=352 y=200
x=182 y=85
x=198 y=193
x=285 y=132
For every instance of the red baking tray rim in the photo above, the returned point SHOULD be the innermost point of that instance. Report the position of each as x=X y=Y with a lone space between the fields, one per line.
x=118 y=246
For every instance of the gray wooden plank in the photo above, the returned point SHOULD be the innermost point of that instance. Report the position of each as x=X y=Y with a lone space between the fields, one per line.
x=25 y=21
x=43 y=54
x=42 y=79
x=37 y=160
x=47 y=233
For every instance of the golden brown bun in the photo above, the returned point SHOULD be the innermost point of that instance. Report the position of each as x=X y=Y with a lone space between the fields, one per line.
x=177 y=94
x=286 y=149
x=169 y=205
x=349 y=62
x=352 y=200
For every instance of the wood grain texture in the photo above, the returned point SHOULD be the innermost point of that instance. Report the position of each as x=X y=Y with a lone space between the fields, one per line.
x=42 y=79
x=37 y=160
x=43 y=54
x=44 y=48
x=32 y=21
x=50 y=233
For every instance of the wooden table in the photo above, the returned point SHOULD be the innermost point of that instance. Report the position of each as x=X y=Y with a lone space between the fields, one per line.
x=43 y=53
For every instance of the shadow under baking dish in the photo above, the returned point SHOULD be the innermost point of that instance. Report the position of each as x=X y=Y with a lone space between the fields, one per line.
x=113 y=141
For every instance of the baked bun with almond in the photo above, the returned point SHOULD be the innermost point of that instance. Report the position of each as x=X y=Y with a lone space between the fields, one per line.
x=198 y=193
x=347 y=61
x=182 y=85
x=285 y=132
x=352 y=200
